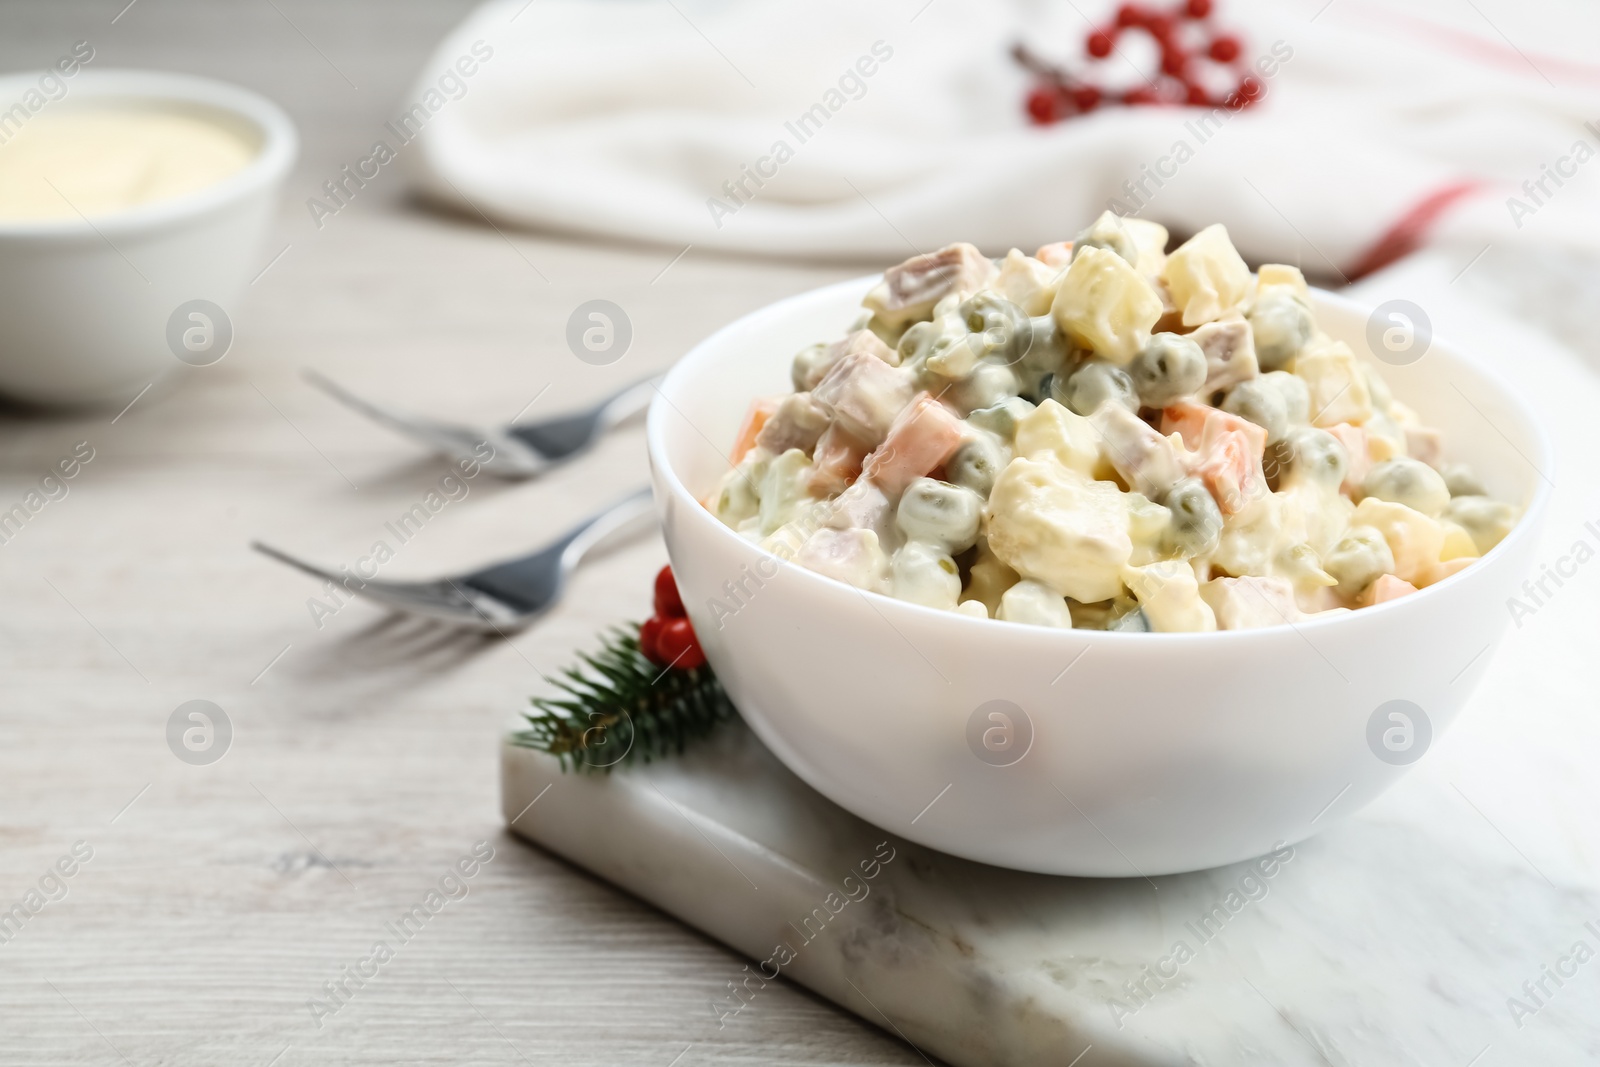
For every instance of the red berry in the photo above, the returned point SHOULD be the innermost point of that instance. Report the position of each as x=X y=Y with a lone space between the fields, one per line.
x=650 y=639
x=678 y=645
x=1142 y=95
x=1224 y=49
x=1130 y=15
x=1174 y=61
x=1087 y=97
x=1195 y=94
x=1160 y=26
x=669 y=605
x=1197 y=9
x=1100 y=44
x=1044 y=105
x=1250 y=88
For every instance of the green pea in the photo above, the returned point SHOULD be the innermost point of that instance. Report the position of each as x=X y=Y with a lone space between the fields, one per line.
x=1169 y=368
x=1282 y=325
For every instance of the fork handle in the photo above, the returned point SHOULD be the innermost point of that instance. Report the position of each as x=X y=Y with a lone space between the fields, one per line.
x=628 y=401
x=632 y=514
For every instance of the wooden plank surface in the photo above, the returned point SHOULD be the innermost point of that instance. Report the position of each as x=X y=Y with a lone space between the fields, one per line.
x=221 y=898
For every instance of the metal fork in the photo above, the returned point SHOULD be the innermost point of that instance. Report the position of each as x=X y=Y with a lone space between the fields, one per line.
x=503 y=596
x=521 y=450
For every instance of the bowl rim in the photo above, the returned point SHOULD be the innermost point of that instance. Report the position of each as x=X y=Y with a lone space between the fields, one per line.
x=279 y=147
x=1527 y=525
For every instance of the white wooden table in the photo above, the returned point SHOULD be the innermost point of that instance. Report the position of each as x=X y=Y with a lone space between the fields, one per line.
x=221 y=898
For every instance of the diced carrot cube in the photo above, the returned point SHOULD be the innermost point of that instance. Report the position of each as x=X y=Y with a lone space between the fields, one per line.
x=1227 y=449
x=1231 y=470
x=1387 y=587
x=1058 y=254
x=1193 y=420
x=760 y=410
x=922 y=437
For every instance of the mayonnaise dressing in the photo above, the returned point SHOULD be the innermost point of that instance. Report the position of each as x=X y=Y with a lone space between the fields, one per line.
x=99 y=161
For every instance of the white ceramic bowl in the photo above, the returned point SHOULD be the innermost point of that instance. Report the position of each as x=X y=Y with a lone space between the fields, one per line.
x=84 y=309
x=1152 y=753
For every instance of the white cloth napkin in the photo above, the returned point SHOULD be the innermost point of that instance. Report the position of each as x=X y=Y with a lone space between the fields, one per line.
x=625 y=118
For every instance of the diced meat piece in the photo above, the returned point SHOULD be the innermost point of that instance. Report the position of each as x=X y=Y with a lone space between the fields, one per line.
x=1057 y=526
x=836 y=462
x=1149 y=463
x=1230 y=353
x=755 y=417
x=863 y=506
x=1354 y=439
x=1056 y=254
x=812 y=364
x=1386 y=587
x=1424 y=443
x=864 y=394
x=850 y=556
x=1169 y=595
x=924 y=436
x=909 y=291
x=1251 y=602
x=797 y=423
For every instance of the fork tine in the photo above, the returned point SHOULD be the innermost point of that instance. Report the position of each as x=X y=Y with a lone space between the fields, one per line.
x=297 y=564
x=511 y=455
x=443 y=599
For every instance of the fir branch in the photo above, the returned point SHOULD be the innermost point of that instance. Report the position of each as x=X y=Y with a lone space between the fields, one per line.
x=618 y=707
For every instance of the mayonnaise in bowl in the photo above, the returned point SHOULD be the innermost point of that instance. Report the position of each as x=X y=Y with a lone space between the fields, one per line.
x=102 y=159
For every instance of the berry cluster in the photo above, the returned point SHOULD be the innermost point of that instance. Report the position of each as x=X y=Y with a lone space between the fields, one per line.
x=1058 y=95
x=667 y=637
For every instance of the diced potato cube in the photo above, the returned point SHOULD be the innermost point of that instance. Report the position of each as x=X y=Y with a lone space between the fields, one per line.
x=1272 y=275
x=1415 y=540
x=1036 y=604
x=1169 y=595
x=1060 y=527
x=1027 y=282
x=1338 y=388
x=1104 y=304
x=1061 y=432
x=1207 y=277
x=989 y=578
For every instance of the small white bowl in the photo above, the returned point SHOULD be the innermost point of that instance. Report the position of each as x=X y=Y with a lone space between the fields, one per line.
x=1150 y=753
x=84 y=309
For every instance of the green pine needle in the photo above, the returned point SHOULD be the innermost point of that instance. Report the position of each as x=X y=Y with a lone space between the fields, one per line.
x=618 y=707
